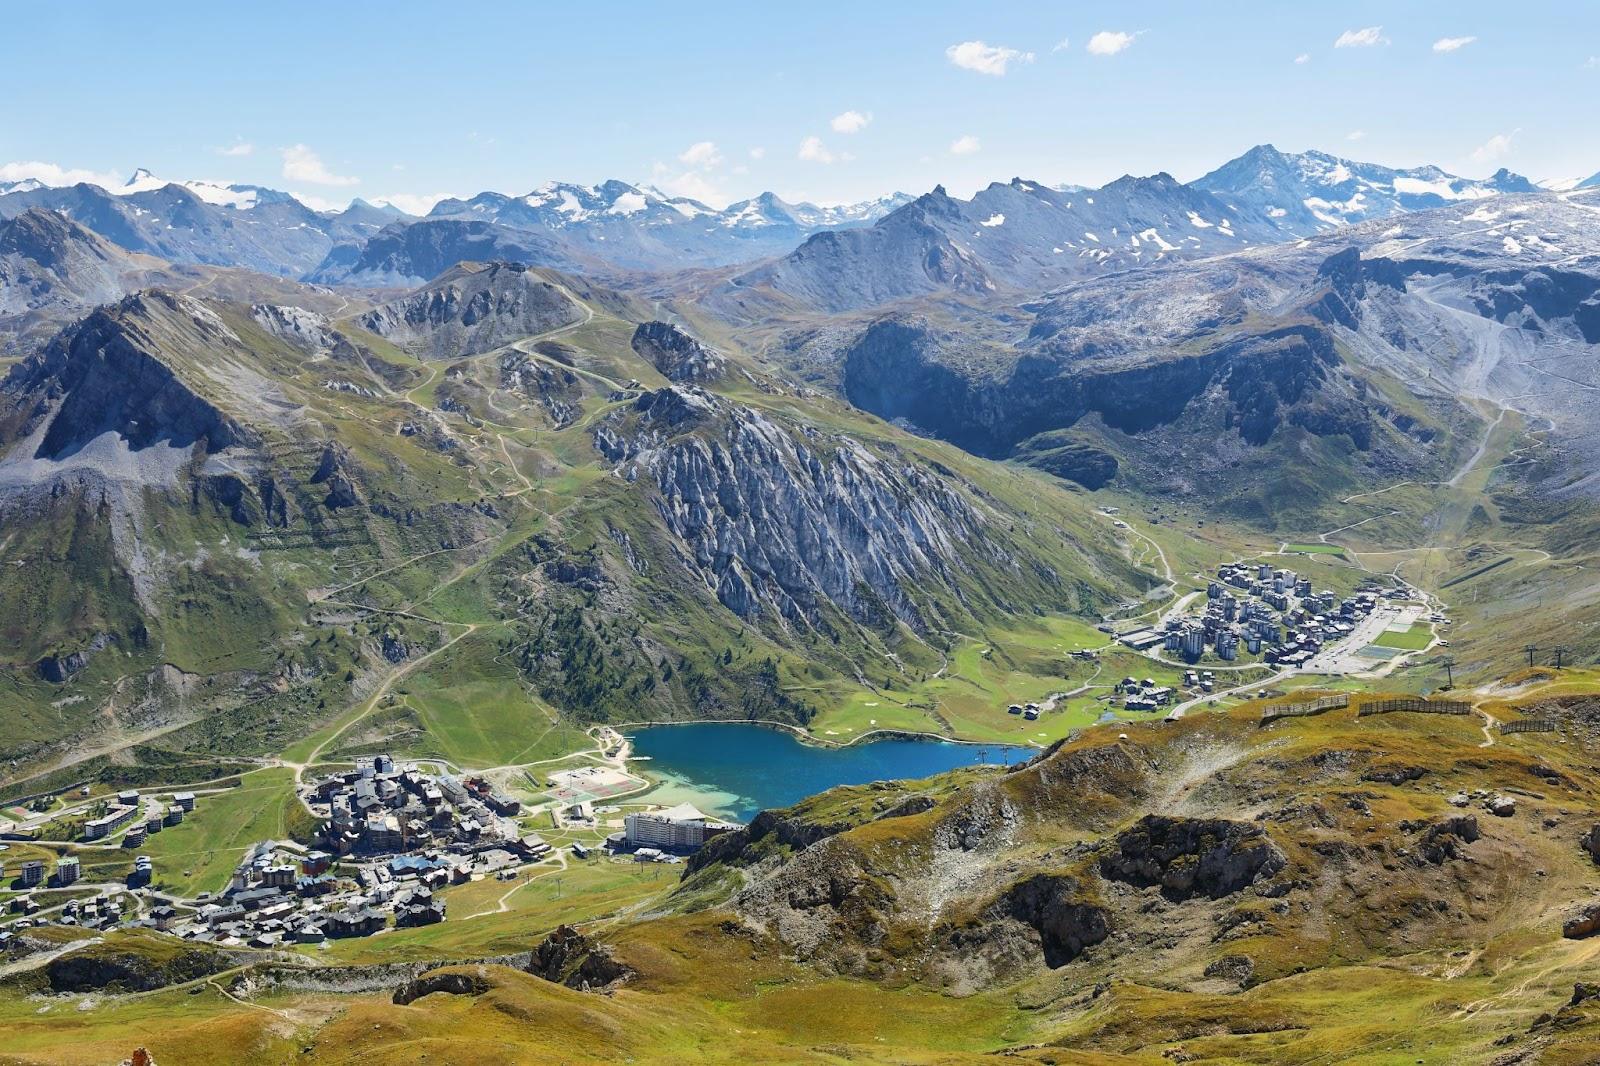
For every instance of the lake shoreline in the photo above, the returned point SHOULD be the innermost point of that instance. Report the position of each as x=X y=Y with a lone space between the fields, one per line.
x=805 y=736
x=741 y=767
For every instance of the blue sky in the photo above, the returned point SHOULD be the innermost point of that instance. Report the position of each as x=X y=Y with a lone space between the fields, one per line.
x=721 y=101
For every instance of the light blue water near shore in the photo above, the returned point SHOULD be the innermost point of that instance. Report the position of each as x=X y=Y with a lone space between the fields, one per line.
x=736 y=769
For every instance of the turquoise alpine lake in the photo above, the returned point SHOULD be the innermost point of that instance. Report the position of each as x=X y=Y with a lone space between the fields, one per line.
x=734 y=769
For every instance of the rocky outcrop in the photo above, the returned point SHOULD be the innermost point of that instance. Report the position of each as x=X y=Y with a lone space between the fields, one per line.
x=557 y=389
x=60 y=667
x=335 y=474
x=452 y=982
x=569 y=958
x=1346 y=277
x=1591 y=843
x=473 y=308
x=1185 y=857
x=1447 y=839
x=133 y=967
x=786 y=521
x=1068 y=922
x=679 y=357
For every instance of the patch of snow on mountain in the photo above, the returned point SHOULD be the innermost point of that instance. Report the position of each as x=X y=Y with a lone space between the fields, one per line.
x=627 y=204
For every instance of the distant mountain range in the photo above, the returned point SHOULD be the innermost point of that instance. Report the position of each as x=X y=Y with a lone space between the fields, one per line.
x=1027 y=234
x=1020 y=233
x=611 y=225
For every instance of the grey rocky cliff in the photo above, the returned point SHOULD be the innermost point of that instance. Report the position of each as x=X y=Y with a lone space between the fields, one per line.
x=788 y=520
x=106 y=375
x=473 y=308
x=677 y=355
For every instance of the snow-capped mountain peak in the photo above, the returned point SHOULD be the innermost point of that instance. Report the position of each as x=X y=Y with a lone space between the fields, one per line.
x=1313 y=190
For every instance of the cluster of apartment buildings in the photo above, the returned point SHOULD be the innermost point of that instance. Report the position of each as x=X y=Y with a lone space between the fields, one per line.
x=378 y=808
x=1268 y=611
x=147 y=814
x=277 y=897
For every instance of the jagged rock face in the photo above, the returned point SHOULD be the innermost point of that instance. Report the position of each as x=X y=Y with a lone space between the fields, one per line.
x=302 y=328
x=1447 y=839
x=678 y=356
x=1054 y=907
x=1583 y=922
x=335 y=471
x=473 y=309
x=108 y=377
x=558 y=390
x=776 y=521
x=1191 y=856
x=568 y=957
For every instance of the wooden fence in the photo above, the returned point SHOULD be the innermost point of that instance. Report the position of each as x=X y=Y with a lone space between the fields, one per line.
x=1529 y=725
x=1414 y=703
x=1301 y=710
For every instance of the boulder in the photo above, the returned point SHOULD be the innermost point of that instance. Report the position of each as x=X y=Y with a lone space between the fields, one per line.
x=1591 y=842
x=1584 y=922
x=1501 y=806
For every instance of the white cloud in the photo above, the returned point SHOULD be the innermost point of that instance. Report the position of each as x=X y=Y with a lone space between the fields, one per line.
x=964 y=145
x=1594 y=61
x=701 y=154
x=812 y=150
x=1369 y=37
x=1109 y=42
x=985 y=58
x=757 y=153
x=1303 y=58
x=851 y=122
x=694 y=184
x=1062 y=45
x=302 y=164
x=1452 y=44
x=1355 y=135
x=320 y=203
x=1494 y=147
x=414 y=203
x=237 y=148
x=53 y=175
